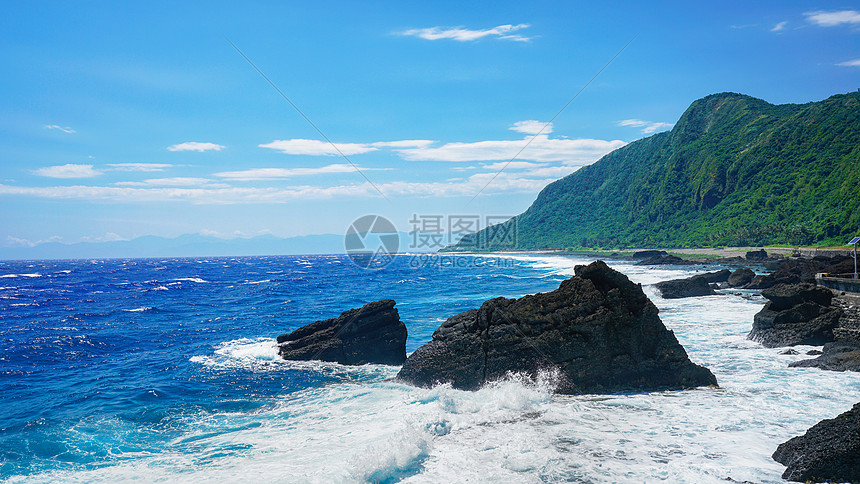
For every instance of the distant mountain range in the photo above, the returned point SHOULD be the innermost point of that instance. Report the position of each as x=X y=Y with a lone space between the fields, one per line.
x=734 y=171
x=191 y=245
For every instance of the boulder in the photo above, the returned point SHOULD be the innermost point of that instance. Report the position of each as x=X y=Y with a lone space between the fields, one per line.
x=756 y=255
x=796 y=314
x=598 y=330
x=741 y=277
x=664 y=259
x=372 y=333
x=698 y=285
x=828 y=451
x=646 y=254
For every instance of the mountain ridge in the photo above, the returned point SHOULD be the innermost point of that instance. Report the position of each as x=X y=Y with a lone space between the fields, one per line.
x=734 y=171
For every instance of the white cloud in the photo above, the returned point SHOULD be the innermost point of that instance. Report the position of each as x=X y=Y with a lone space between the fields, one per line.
x=779 y=27
x=531 y=127
x=67 y=171
x=177 y=181
x=313 y=147
x=64 y=129
x=195 y=146
x=465 y=35
x=833 y=19
x=851 y=63
x=647 y=126
x=512 y=165
x=139 y=166
x=541 y=149
x=279 y=173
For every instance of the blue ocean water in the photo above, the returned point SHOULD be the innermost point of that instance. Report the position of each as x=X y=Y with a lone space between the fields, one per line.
x=166 y=370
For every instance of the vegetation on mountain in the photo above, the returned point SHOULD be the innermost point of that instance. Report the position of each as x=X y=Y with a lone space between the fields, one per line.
x=734 y=171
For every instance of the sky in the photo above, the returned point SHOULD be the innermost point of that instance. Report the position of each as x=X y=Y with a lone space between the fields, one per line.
x=238 y=119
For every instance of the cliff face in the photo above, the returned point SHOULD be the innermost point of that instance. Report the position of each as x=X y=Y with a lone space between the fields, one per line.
x=734 y=170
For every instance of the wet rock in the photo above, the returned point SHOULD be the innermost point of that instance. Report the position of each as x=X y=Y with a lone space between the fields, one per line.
x=789 y=352
x=598 y=330
x=698 y=285
x=795 y=314
x=814 y=352
x=741 y=277
x=372 y=333
x=836 y=356
x=647 y=254
x=828 y=451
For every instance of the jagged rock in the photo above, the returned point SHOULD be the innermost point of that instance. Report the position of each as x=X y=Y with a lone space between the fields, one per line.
x=372 y=333
x=795 y=314
x=598 y=329
x=828 y=451
x=789 y=352
x=698 y=285
x=756 y=255
x=836 y=356
x=814 y=352
x=741 y=277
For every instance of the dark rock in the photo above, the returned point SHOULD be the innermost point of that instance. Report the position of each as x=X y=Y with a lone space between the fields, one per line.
x=741 y=277
x=814 y=352
x=794 y=315
x=661 y=260
x=803 y=270
x=789 y=352
x=690 y=287
x=372 y=333
x=598 y=329
x=828 y=451
x=837 y=356
x=756 y=255
x=646 y=254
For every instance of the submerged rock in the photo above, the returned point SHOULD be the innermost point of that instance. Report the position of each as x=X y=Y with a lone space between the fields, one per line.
x=372 y=333
x=796 y=314
x=836 y=356
x=598 y=329
x=828 y=451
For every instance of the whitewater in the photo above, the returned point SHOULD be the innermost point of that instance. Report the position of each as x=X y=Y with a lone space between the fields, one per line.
x=167 y=370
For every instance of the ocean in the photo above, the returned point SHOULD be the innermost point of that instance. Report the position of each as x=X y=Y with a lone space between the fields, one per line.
x=166 y=370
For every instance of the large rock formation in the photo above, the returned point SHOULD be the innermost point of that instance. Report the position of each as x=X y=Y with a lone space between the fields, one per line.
x=372 y=333
x=828 y=451
x=843 y=354
x=796 y=314
x=598 y=329
x=802 y=270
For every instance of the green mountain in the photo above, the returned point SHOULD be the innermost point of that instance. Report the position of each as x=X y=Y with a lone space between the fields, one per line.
x=735 y=170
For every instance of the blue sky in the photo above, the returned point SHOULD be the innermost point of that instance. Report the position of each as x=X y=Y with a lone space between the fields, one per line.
x=119 y=120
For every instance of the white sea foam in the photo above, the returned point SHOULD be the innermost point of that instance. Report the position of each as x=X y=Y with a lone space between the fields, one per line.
x=139 y=310
x=190 y=279
x=11 y=276
x=258 y=282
